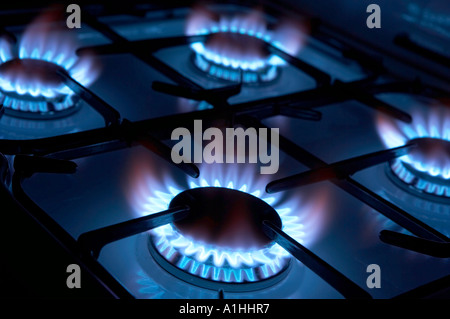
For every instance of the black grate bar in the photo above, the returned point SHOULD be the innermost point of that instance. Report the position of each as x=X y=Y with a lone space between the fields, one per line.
x=287 y=146
x=337 y=93
x=217 y=97
x=412 y=87
x=338 y=170
x=167 y=70
x=102 y=136
x=367 y=61
x=134 y=136
x=409 y=87
x=420 y=245
x=76 y=145
x=371 y=101
x=110 y=115
x=94 y=23
x=321 y=78
x=93 y=241
x=336 y=279
x=404 y=41
x=165 y=152
x=123 y=45
x=144 y=56
x=49 y=145
x=88 y=150
x=383 y=107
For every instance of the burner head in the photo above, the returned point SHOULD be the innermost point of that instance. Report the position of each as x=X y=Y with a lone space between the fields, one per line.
x=237 y=43
x=225 y=217
x=229 y=222
x=432 y=151
x=236 y=57
x=31 y=88
x=39 y=76
x=426 y=168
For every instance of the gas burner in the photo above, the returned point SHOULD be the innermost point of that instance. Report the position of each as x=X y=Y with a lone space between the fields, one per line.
x=236 y=48
x=30 y=83
x=236 y=57
x=426 y=167
x=222 y=246
x=428 y=150
x=222 y=241
x=31 y=88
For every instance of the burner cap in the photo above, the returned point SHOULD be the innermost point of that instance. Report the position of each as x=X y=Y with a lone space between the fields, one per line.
x=431 y=150
x=38 y=79
x=242 y=48
x=225 y=217
x=221 y=244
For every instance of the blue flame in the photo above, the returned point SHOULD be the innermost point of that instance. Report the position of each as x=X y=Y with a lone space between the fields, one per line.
x=16 y=104
x=41 y=41
x=433 y=122
x=223 y=71
x=213 y=262
x=421 y=184
x=227 y=64
x=232 y=63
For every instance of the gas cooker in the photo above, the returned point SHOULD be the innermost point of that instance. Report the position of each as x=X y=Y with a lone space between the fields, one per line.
x=90 y=180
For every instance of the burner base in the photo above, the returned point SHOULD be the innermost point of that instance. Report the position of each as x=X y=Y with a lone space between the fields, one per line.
x=211 y=284
x=41 y=110
x=418 y=183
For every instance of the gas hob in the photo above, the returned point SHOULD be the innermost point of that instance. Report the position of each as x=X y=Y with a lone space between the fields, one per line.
x=358 y=205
